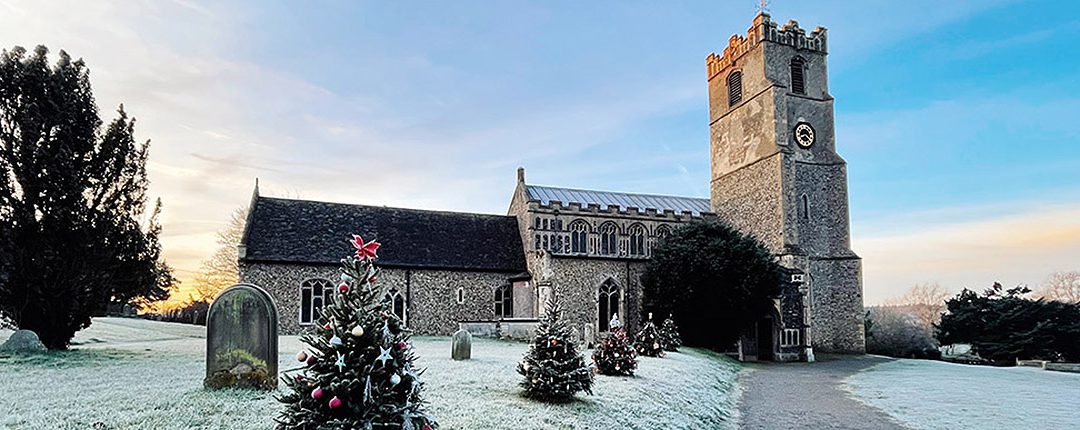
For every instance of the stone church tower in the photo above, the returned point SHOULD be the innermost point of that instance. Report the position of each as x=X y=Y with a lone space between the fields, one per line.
x=776 y=173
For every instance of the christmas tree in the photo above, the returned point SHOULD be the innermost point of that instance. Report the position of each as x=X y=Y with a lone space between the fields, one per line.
x=615 y=355
x=648 y=340
x=669 y=335
x=358 y=364
x=553 y=368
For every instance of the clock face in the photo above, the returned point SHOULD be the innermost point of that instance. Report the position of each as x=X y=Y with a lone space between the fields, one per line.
x=804 y=134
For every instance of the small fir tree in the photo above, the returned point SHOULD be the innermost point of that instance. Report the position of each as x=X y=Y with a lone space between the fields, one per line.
x=358 y=371
x=648 y=340
x=553 y=368
x=669 y=335
x=615 y=355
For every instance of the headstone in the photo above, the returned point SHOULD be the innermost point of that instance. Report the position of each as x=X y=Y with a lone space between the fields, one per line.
x=241 y=339
x=23 y=342
x=461 y=348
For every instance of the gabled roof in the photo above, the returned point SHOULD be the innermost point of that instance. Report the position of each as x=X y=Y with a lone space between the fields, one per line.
x=301 y=231
x=623 y=200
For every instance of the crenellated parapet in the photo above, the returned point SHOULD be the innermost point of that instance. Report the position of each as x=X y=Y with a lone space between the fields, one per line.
x=765 y=29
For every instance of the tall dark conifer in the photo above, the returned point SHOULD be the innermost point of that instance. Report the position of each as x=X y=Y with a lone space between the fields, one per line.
x=72 y=202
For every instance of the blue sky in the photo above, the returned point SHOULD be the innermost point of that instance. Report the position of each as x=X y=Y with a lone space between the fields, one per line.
x=958 y=119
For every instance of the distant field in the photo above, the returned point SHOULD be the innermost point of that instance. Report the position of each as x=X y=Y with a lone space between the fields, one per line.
x=937 y=395
x=136 y=374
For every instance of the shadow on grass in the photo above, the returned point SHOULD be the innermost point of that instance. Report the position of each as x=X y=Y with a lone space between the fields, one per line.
x=68 y=358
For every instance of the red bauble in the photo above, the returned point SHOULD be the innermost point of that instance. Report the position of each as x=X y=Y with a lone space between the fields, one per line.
x=372 y=280
x=311 y=360
x=317 y=393
x=554 y=342
x=427 y=427
x=328 y=327
x=335 y=402
x=299 y=378
x=402 y=345
x=343 y=287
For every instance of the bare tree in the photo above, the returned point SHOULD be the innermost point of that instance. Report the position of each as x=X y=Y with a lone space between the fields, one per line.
x=221 y=269
x=1061 y=286
x=926 y=302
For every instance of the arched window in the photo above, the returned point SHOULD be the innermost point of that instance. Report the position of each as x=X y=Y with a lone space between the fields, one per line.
x=637 y=240
x=805 y=207
x=460 y=295
x=734 y=88
x=579 y=235
x=663 y=231
x=798 y=80
x=314 y=293
x=504 y=302
x=397 y=304
x=609 y=239
x=609 y=303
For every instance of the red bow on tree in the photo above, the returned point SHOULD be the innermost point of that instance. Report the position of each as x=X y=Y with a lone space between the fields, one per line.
x=363 y=249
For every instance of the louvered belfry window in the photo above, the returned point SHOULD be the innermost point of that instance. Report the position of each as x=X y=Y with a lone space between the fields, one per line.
x=798 y=81
x=734 y=86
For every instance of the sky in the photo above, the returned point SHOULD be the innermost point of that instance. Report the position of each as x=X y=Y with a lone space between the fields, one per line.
x=958 y=119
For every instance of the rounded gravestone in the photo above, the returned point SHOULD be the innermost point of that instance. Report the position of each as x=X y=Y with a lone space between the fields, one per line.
x=23 y=342
x=241 y=339
x=461 y=347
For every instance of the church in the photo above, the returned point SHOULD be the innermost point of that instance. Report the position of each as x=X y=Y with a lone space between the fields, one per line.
x=776 y=175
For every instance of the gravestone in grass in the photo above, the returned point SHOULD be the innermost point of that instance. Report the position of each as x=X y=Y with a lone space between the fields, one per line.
x=461 y=348
x=241 y=339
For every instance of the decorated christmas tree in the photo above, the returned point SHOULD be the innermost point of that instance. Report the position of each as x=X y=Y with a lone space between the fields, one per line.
x=669 y=335
x=553 y=368
x=648 y=340
x=357 y=370
x=615 y=355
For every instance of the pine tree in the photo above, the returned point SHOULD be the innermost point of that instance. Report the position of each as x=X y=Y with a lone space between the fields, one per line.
x=615 y=355
x=553 y=368
x=669 y=335
x=358 y=371
x=648 y=340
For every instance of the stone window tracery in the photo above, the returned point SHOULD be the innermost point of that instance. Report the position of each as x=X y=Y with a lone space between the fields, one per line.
x=609 y=238
x=397 y=304
x=608 y=303
x=663 y=231
x=314 y=294
x=579 y=236
x=637 y=240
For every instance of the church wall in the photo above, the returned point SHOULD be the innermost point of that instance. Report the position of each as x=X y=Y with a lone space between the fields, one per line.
x=837 y=306
x=431 y=295
x=822 y=223
x=577 y=281
x=750 y=199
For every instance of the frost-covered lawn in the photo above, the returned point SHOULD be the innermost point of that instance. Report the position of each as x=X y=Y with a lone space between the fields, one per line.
x=938 y=395
x=135 y=374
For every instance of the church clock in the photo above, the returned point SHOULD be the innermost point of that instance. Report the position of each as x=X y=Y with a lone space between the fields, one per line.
x=804 y=135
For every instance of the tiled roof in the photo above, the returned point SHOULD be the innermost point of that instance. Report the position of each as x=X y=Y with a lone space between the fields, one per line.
x=623 y=200
x=301 y=231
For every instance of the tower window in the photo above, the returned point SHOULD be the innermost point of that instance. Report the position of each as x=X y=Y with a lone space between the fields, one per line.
x=798 y=80
x=734 y=88
x=805 y=207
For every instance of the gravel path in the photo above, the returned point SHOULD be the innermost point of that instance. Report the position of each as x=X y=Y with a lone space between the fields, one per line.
x=808 y=395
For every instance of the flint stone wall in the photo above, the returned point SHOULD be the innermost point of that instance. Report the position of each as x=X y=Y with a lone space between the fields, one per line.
x=431 y=301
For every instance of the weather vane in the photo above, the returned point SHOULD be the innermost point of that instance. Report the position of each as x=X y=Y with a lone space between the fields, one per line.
x=763 y=6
